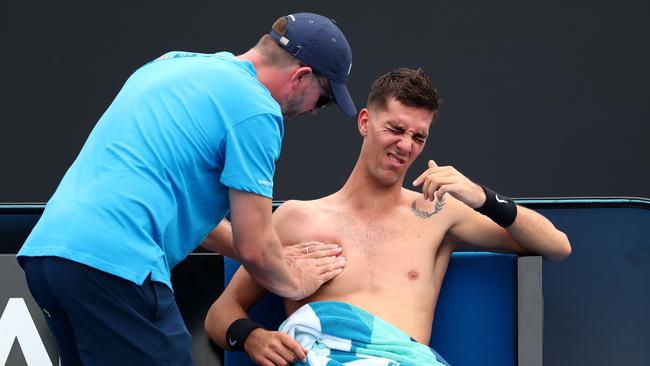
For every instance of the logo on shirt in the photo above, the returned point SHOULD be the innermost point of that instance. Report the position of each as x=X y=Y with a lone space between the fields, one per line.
x=265 y=182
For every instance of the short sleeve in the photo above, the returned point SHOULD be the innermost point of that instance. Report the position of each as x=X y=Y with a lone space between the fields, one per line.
x=252 y=147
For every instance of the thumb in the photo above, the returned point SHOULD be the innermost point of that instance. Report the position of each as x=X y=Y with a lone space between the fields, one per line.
x=432 y=164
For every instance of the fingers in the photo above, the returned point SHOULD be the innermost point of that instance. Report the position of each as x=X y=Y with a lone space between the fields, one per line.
x=331 y=250
x=420 y=179
x=438 y=180
x=277 y=348
x=277 y=360
x=298 y=351
x=330 y=263
x=311 y=250
x=433 y=167
x=320 y=270
x=330 y=275
x=317 y=245
x=433 y=182
x=284 y=355
x=309 y=244
x=332 y=269
x=313 y=247
x=339 y=263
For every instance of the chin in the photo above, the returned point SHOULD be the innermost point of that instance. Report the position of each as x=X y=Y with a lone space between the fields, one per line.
x=388 y=180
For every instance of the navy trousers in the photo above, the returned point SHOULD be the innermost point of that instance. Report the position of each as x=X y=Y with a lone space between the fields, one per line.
x=101 y=319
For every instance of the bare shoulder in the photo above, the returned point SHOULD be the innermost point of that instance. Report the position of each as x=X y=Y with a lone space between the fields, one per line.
x=289 y=208
x=297 y=212
x=296 y=209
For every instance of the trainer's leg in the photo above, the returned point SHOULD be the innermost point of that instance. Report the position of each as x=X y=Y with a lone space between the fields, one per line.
x=170 y=322
x=55 y=315
x=115 y=321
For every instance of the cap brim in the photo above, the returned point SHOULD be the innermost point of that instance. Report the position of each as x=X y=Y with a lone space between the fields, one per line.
x=342 y=98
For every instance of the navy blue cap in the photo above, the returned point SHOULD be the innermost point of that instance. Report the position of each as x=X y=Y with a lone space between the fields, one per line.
x=319 y=43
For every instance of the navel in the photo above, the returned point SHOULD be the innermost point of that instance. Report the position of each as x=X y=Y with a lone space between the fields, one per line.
x=413 y=274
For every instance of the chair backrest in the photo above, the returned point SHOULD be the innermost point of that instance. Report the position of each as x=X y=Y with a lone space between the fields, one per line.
x=475 y=316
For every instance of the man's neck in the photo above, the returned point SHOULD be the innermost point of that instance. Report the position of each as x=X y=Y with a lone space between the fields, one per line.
x=364 y=192
x=273 y=78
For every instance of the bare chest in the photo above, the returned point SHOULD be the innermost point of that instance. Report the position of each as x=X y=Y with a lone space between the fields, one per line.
x=381 y=252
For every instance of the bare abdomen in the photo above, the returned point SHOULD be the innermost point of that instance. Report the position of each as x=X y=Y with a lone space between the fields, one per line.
x=412 y=313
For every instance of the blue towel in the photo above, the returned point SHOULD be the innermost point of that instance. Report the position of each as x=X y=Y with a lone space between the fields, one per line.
x=336 y=333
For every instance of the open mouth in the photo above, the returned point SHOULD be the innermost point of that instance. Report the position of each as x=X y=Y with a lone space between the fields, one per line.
x=395 y=159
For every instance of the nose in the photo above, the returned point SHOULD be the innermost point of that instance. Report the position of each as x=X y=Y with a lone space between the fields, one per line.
x=405 y=144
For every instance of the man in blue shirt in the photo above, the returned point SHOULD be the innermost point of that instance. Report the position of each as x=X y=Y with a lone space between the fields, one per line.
x=190 y=138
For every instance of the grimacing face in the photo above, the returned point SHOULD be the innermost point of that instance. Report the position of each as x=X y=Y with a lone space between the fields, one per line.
x=393 y=138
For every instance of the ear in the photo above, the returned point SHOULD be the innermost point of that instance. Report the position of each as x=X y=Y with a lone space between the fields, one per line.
x=300 y=74
x=362 y=121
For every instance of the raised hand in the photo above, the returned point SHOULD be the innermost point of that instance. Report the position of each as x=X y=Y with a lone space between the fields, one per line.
x=437 y=180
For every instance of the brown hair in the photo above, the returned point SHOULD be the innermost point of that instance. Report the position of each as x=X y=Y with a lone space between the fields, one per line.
x=273 y=53
x=410 y=87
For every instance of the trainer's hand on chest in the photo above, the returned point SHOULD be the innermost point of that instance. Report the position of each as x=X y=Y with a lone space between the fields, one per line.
x=312 y=264
x=311 y=250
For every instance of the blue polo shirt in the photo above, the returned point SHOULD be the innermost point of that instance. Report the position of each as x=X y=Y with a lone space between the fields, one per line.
x=152 y=179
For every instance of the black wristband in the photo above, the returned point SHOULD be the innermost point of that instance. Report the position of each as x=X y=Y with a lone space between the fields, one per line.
x=500 y=209
x=238 y=331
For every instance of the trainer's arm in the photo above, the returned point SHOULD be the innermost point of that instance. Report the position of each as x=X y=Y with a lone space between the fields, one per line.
x=257 y=245
x=258 y=248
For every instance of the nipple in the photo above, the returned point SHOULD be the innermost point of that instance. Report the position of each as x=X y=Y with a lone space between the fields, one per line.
x=413 y=274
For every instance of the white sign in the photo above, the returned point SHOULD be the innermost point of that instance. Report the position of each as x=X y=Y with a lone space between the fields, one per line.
x=17 y=323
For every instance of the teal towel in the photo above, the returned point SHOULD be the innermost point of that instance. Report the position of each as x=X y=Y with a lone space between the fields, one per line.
x=337 y=333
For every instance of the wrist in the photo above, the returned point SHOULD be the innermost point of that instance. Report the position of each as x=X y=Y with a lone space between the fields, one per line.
x=484 y=200
x=238 y=331
x=295 y=287
x=500 y=209
x=253 y=339
x=296 y=293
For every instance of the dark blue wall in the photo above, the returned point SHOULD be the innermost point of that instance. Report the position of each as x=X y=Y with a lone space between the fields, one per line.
x=542 y=98
x=596 y=302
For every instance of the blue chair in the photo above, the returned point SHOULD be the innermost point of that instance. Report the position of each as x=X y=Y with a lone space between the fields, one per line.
x=475 y=322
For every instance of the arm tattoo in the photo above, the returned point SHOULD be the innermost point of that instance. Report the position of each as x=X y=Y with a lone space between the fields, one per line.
x=425 y=215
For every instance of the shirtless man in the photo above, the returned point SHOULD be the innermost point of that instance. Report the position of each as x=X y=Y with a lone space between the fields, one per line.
x=397 y=243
